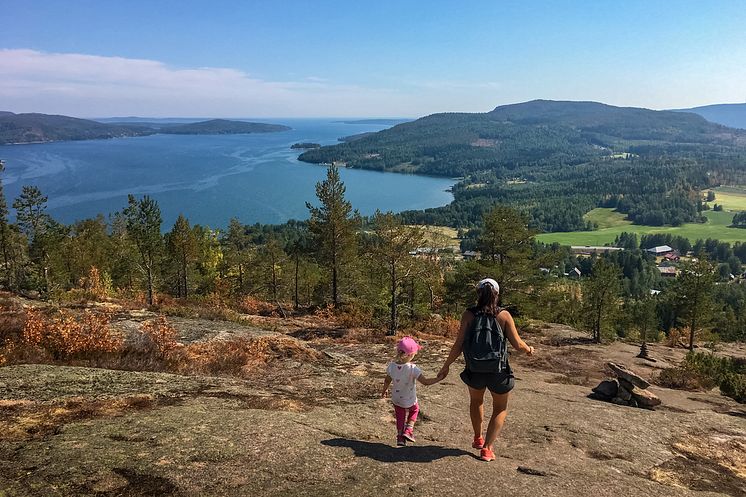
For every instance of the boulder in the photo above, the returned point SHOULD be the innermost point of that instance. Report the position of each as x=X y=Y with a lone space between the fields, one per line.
x=626 y=374
x=624 y=393
x=607 y=389
x=625 y=384
x=645 y=399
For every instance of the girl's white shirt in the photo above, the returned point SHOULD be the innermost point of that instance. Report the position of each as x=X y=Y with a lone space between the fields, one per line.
x=403 y=383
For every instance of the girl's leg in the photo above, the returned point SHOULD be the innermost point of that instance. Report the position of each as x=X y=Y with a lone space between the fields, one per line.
x=499 y=413
x=412 y=416
x=401 y=415
x=476 y=410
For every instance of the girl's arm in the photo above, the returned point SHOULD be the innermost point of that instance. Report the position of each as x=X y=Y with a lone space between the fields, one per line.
x=386 y=384
x=458 y=344
x=428 y=381
x=508 y=326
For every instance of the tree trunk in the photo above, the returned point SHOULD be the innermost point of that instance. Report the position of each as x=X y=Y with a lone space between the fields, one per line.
x=691 y=333
x=240 y=278
x=393 y=323
x=274 y=278
x=296 y=304
x=150 y=285
x=335 y=299
x=184 y=273
x=411 y=299
x=6 y=259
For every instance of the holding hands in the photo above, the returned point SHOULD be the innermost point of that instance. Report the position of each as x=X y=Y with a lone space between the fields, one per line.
x=442 y=373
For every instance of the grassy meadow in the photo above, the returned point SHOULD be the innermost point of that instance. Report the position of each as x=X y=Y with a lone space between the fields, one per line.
x=611 y=224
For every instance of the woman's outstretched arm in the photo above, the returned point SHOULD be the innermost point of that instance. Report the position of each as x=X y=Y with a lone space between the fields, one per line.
x=458 y=344
x=505 y=320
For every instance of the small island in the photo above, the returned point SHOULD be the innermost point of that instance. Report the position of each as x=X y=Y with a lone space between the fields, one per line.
x=42 y=128
x=222 y=127
x=305 y=146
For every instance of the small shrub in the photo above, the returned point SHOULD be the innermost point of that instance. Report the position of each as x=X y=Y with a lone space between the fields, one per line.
x=734 y=386
x=435 y=325
x=237 y=357
x=64 y=336
x=256 y=307
x=706 y=370
x=160 y=335
x=677 y=337
x=683 y=379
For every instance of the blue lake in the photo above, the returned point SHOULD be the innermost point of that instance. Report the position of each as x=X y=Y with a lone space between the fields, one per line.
x=209 y=179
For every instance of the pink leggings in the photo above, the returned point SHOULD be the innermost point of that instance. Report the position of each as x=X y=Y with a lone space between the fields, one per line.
x=405 y=418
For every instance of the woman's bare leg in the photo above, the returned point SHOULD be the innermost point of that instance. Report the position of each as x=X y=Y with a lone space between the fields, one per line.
x=476 y=410
x=497 y=419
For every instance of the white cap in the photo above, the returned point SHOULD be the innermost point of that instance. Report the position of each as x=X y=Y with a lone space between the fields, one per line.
x=489 y=281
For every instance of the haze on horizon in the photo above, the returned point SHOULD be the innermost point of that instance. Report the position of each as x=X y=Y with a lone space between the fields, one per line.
x=384 y=59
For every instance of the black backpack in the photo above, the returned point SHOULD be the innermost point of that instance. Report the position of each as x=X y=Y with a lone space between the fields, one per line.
x=485 y=348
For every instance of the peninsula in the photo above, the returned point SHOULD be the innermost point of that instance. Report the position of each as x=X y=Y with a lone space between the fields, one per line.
x=42 y=128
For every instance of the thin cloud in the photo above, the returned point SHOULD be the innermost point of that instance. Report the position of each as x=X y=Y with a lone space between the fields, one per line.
x=80 y=84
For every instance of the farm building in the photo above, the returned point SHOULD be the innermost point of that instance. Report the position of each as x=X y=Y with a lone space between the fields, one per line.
x=668 y=271
x=660 y=250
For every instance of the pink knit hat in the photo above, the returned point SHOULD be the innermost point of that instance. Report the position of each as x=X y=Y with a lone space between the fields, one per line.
x=408 y=345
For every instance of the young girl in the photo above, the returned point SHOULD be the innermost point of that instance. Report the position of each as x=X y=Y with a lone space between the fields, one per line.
x=403 y=373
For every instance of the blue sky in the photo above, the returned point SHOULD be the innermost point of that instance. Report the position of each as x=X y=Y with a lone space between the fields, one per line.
x=383 y=58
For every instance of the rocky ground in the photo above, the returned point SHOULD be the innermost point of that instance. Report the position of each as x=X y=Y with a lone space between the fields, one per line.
x=318 y=427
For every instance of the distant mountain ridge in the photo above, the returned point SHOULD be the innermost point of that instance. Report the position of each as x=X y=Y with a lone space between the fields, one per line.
x=40 y=128
x=456 y=144
x=732 y=115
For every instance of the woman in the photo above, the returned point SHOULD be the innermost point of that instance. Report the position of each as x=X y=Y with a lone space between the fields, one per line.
x=485 y=327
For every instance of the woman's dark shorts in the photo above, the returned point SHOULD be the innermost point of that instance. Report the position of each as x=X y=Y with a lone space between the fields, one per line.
x=498 y=383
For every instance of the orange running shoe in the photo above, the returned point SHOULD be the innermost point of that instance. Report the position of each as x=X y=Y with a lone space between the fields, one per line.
x=478 y=442
x=486 y=455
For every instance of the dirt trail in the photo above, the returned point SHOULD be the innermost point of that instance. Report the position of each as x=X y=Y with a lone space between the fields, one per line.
x=318 y=429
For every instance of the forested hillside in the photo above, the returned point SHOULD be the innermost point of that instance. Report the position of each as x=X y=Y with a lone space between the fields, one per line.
x=557 y=160
x=34 y=128
x=733 y=115
x=30 y=128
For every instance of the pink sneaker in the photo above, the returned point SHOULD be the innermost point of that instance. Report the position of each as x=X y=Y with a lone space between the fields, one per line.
x=408 y=435
x=486 y=455
x=478 y=442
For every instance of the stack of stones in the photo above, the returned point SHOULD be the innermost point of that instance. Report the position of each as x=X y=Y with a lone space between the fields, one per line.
x=627 y=389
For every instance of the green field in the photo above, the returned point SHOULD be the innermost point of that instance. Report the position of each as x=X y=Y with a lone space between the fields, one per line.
x=613 y=223
x=731 y=198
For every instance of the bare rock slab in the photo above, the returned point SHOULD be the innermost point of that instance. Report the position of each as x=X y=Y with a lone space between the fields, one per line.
x=626 y=374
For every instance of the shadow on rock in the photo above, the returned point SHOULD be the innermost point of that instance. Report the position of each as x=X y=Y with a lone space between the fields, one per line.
x=387 y=453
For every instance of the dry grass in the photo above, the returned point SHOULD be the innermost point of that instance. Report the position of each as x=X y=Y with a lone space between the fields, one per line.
x=26 y=419
x=707 y=463
x=238 y=357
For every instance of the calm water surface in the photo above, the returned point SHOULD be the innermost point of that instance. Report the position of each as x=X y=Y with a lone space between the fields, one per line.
x=209 y=179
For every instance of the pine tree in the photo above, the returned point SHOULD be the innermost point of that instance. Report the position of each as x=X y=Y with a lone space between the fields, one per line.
x=693 y=290
x=182 y=246
x=333 y=226
x=237 y=244
x=143 y=219
x=33 y=220
x=600 y=296
x=392 y=246
x=5 y=235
